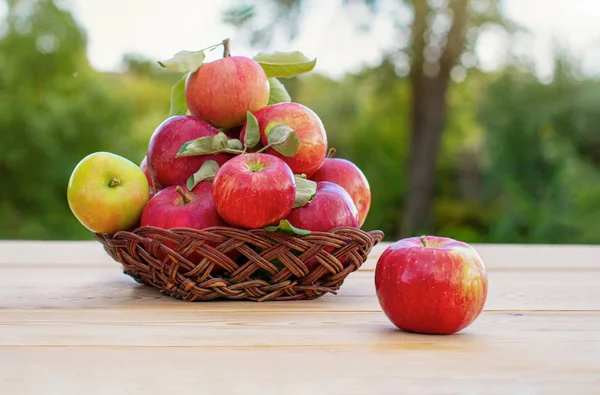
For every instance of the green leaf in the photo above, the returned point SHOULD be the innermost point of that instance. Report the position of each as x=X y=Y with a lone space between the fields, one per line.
x=235 y=144
x=178 y=103
x=285 y=64
x=278 y=93
x=184 y=61
x=284 y=140
x=305 y=191
x=252 y=136
x=285 y=227
x=204 y=146
x=206 y=172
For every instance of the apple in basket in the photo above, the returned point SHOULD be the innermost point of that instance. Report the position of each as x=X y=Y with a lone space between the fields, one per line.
x=164 y=165
x=347 y=175
x=107 y=192
x=331 y=207
x=144 y=167
x=308 y=127
x=254 y=190
x=178 y=207
x=222 y=91
x=431 y=284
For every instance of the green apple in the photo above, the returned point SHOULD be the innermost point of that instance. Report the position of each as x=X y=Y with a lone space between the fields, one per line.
x=107 y=193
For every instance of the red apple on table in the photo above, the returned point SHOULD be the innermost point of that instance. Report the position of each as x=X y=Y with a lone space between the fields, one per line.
x=347 y=175
x=222 y=91
x=431 y=284
x=308 y=126
x=165 y=168
x=331 y=207
x=254 y=190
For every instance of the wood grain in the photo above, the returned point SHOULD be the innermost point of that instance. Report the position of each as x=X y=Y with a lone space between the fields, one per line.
x=60 y=288
x=72 y=323
x=495 y=369
x=207 y=329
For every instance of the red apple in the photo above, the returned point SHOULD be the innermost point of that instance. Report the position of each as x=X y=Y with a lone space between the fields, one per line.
x=144 y=167
x=308 y=126
x=331 y=207
x=222 y=91
x=254 y=190
x=431 y=284
x=165 y=168
x=347 y=175
x=177 y=207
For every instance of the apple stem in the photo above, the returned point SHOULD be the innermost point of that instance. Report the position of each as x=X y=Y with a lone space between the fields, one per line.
x=331 y=152
x=114 y=182
x=423 y=240
x=182 y=194
x=226 y=52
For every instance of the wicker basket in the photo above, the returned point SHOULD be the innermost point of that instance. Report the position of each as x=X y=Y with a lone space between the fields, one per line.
x=230 y=263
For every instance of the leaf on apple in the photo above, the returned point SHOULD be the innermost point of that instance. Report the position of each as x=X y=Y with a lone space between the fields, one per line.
x=252 y=136
x=235 y=144
x=305 y=191
x=204 y=146
x=278 y=93
x=178 y=103
x=284 y=140
x=206 y=172
x=285 y=227
x=184 y=61
x=285 y=64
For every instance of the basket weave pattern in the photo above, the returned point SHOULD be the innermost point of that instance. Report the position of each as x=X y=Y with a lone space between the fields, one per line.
x=231 y=263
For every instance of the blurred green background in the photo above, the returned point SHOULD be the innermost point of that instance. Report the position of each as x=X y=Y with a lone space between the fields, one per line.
x=499 y=156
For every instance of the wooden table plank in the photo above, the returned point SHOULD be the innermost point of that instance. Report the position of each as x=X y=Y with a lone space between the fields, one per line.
x=167 y=328
x=72 y=323
x=60 y=288
x=495 y=369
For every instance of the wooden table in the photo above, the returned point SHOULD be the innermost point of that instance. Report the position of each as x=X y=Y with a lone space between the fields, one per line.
x=72 y=323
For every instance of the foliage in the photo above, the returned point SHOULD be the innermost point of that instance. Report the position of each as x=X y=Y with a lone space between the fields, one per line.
x=543 y=155
x=55 y=110
x=519 y=161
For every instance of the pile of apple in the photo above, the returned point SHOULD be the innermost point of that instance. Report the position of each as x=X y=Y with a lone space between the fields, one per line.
x=234 y=151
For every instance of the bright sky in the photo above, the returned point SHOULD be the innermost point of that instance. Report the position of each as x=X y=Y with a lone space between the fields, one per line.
x=158 y=29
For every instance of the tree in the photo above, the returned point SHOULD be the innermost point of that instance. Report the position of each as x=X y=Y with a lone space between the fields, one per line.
x=55 y=110
x=443 y=36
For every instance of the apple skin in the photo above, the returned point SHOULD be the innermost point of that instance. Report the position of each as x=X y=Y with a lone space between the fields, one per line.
x=347 y=175
x=308 y=126
x=167 y=210
x=103 y=208
x=439 y=289
x=254 y=190
x=332 y=207
x=144 y=167
x=222 y=91
x=163 y=165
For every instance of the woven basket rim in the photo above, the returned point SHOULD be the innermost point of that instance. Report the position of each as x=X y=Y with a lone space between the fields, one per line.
x=375 y=234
